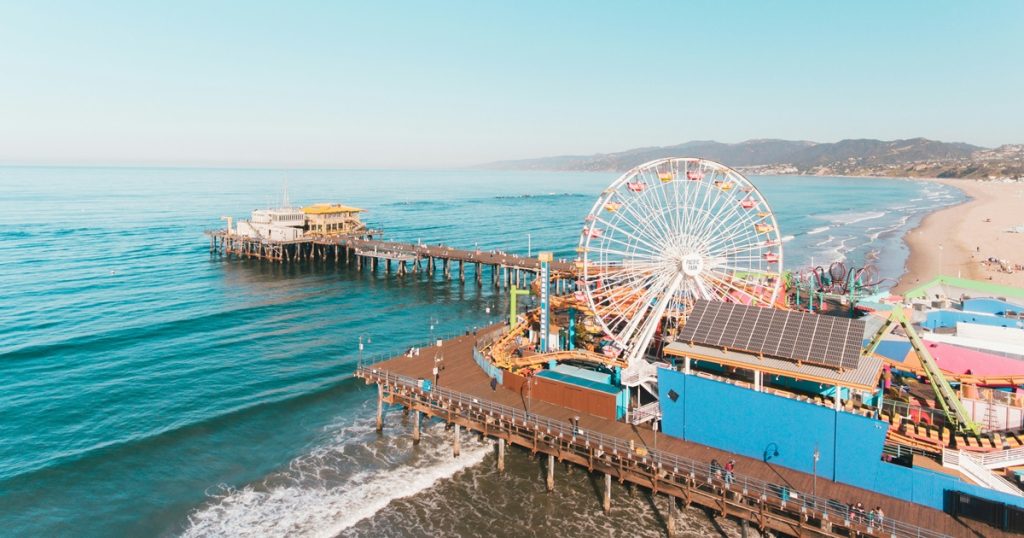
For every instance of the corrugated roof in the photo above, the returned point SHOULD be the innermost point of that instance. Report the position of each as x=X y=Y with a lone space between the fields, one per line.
x=863 y=377
x=322 y=209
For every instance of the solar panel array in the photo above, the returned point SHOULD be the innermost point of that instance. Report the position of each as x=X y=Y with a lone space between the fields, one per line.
x=824 y=340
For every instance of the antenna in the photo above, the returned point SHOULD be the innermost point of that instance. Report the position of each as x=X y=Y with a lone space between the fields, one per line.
x=284 y=198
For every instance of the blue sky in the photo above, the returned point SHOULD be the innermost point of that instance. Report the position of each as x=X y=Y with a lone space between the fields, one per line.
x=438 y=84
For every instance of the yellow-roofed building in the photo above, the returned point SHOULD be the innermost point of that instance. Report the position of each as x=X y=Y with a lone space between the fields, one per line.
x=332 y=219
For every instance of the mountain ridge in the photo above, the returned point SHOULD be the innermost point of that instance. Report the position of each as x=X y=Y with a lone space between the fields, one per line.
x=855 y=156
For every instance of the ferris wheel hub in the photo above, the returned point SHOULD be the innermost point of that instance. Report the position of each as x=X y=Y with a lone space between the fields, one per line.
x=691 y=264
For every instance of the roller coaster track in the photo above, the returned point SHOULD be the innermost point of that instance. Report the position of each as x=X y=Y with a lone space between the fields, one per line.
x=944 y=393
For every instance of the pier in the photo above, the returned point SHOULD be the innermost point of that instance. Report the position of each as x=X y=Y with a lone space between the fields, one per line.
x=369 y=254
x=678 y=473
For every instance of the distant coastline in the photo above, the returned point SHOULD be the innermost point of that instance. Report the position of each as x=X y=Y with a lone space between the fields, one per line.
x=960 y=240
x=915 y=157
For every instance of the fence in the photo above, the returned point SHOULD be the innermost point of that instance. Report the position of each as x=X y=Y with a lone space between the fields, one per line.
x=752 y=489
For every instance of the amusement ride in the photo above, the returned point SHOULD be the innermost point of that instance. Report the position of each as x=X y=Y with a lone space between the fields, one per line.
x=665 y=234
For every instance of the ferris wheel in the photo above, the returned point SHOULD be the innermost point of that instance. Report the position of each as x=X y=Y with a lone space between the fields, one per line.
x=669 y=232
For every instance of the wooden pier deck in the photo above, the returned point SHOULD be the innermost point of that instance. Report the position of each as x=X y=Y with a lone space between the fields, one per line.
x=367 y=252
x=768 y=496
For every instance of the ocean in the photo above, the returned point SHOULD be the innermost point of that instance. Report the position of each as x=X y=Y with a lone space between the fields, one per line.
x=149 y=389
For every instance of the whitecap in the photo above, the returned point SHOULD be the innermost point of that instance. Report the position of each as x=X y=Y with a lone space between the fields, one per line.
x=311 y=499
x=853 y=218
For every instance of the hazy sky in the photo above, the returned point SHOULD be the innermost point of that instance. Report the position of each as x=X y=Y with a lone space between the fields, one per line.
x=434 y=84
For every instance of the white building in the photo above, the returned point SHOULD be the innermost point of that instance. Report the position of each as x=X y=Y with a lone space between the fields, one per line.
x=281 y=224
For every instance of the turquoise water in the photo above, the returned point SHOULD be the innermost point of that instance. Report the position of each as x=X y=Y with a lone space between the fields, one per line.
x=149 y=389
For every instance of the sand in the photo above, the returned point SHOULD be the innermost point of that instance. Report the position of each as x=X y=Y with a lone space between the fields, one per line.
x=956 y=241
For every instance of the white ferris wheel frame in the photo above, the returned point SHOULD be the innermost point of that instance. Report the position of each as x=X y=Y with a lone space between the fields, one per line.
x=668 y=232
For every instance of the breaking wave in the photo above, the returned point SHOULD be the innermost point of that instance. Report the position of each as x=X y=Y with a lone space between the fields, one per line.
x=314 y=497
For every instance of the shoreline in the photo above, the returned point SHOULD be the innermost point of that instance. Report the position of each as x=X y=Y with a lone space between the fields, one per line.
x=956 y=240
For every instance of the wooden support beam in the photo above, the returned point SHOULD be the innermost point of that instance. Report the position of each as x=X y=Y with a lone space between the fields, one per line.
x=380 y=408
x=416 y=427
x=607 y=504
x=670 y=522
x=551 y=472
x=501 y=454
x=457 y=440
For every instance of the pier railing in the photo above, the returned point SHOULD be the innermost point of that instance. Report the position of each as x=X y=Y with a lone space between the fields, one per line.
x=482 y=334
x=700 y=473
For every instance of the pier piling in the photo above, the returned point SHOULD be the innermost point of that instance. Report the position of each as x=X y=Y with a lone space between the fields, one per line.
x=380 y=407
x=551 y=472
x=501 y=454
x=416 y=427
x=670 y=522
x=607 y=504
x=457 y=440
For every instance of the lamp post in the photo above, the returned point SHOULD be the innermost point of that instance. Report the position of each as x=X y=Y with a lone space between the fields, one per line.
x=529 y=246
x=368 y=341
x=814 y=484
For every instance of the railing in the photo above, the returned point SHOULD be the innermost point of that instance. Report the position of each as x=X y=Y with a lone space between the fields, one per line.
x=491 y=370
x=381 y=356
x=897 y=451
x=644 y=413
x=699 y=472
x=1001 y=458
x=966 y=463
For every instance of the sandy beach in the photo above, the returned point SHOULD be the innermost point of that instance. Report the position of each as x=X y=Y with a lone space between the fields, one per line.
x=958 y=240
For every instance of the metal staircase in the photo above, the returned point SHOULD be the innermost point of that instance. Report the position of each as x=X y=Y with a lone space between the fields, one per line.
x=972 y=468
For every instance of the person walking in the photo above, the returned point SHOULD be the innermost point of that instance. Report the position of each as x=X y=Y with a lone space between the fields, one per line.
x=436 y=373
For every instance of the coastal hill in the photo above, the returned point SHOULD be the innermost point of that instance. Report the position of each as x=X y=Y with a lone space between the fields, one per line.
x=915 y=157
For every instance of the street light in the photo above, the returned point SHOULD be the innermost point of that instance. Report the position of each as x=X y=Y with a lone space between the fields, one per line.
x=368 y=341
x=529 y=246
x=814 y=484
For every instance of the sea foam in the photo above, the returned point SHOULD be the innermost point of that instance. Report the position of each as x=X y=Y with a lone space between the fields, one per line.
x=309 y=499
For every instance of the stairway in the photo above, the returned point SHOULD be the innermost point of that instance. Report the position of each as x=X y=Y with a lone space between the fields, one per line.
x=969 y=466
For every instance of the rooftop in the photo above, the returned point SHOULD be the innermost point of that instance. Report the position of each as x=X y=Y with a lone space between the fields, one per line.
x=794 y=336
x=863 y=377
x=323 y=209
x=953 y=287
